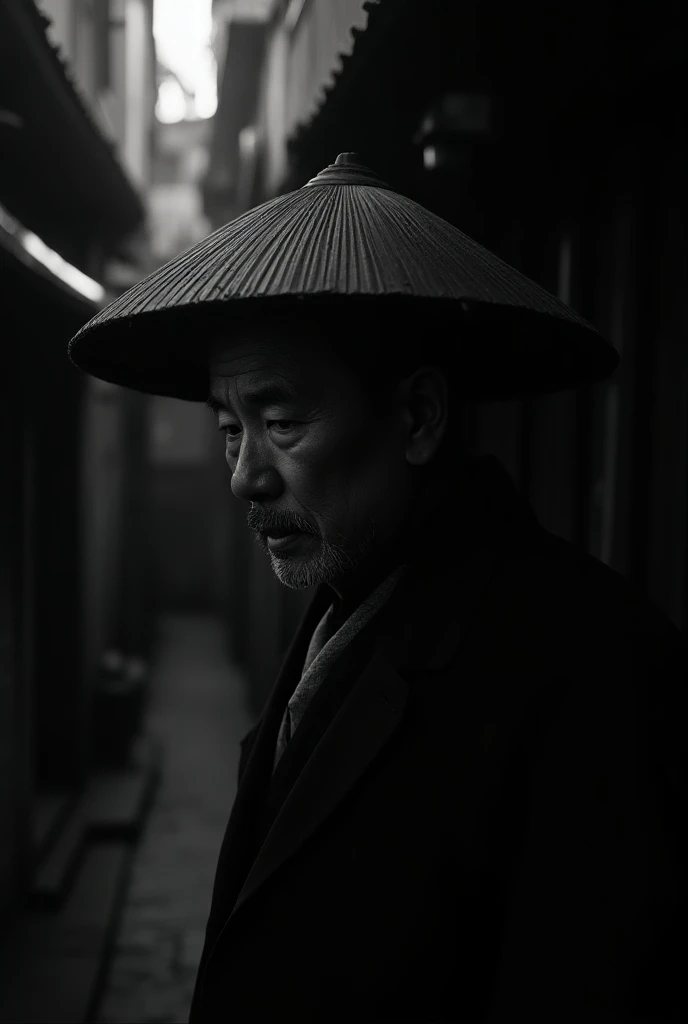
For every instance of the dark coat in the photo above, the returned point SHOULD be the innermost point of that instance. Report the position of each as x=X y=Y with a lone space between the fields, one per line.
x=482 y=815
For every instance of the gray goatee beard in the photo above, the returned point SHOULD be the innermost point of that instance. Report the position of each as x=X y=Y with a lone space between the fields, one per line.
x=330 y=561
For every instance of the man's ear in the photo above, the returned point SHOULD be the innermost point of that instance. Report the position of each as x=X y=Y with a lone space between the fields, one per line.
x=425 y=397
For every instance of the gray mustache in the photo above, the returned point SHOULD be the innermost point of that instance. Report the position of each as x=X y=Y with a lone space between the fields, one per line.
x=258 y=521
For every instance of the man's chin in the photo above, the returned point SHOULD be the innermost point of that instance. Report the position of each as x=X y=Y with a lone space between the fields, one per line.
x=300 y=570
x=300 y=573
x=296 y=573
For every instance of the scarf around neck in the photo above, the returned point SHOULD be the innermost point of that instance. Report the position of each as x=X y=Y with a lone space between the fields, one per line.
x=324 y=649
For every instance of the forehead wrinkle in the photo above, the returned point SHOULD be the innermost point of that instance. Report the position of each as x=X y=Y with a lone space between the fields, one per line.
x=305 y=373
x=258 y=357
x=263 y=391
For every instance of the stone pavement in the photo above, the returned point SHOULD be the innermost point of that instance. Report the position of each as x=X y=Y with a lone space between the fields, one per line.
x=199 y=712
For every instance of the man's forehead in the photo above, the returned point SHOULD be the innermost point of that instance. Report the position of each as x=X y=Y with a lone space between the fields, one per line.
x=262 y=357
x=261 y=374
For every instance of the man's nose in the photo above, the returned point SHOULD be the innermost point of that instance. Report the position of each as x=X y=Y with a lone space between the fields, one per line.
x=254 y=477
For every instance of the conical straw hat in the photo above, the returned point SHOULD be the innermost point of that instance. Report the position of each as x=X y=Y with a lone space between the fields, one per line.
x=344 y=242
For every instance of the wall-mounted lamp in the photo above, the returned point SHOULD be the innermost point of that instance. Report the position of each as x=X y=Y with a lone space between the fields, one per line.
x=451 y=127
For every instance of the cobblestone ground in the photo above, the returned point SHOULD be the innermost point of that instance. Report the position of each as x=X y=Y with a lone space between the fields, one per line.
x=199 y=713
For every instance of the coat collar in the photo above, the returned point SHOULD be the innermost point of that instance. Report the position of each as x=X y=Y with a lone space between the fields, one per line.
x=423 y=626
x=475 y=517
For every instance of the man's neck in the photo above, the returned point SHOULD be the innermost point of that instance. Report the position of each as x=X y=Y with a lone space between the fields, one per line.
x=425 y=502
x=346 y=602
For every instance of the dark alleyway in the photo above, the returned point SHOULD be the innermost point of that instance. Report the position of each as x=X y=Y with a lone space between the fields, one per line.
x=130 y=132
x=199 y=713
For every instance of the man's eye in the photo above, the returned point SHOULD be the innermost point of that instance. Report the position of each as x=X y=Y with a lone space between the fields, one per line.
x=283 y=426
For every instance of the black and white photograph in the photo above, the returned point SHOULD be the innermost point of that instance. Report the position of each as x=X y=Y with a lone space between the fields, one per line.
x=344 y=547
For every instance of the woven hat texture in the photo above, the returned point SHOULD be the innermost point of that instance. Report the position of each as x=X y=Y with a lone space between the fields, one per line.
x=344 y=242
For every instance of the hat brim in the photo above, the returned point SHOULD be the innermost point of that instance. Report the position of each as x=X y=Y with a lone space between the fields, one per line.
x=494 y=352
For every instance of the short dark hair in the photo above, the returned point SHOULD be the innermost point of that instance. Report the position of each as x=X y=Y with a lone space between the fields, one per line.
x=380 y=367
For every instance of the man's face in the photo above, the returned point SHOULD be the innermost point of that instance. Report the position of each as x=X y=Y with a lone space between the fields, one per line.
x=310 y=458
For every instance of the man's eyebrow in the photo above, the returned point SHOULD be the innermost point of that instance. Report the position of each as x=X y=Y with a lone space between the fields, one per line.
x=213 y=404
x=261 y=394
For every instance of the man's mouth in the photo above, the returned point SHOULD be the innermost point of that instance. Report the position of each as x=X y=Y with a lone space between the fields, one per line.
x=279 y=531
x=288 y=540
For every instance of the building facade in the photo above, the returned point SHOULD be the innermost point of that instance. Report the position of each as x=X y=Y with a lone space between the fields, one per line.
x=76 y=156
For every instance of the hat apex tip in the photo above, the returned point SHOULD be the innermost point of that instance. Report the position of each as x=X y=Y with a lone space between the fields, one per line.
x=348 y=169
x=348 y=159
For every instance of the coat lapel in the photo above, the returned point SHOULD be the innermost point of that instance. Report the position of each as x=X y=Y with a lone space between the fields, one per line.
x=363 y=725
x=361 y=728
x=237 y=847
x=428 y=616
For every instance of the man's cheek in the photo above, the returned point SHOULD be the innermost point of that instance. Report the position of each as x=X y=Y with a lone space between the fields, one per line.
x=347 y=449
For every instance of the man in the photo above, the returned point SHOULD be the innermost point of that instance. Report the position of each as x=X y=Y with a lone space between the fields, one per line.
x=465 y=797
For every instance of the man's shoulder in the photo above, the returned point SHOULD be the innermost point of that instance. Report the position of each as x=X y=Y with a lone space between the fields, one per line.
x=553 y=582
